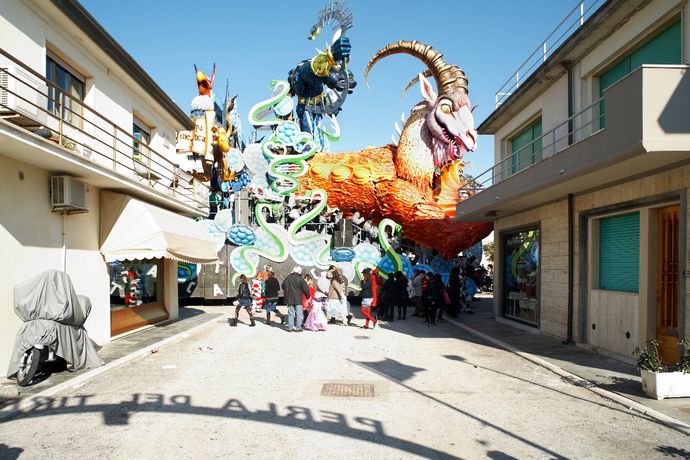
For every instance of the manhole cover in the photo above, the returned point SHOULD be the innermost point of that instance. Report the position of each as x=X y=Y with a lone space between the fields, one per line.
x=348 y=390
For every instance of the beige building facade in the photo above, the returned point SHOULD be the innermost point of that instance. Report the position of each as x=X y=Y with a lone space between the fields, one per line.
x=81 y=123
x=588 y=193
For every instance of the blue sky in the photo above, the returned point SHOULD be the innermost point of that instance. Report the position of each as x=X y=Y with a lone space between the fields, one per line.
x=254 y=42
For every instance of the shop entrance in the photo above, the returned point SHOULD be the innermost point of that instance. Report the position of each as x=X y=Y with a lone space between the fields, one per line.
x=521 y=275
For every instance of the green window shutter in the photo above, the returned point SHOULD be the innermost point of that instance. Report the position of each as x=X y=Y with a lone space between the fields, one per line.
x=663 y=48
x=526 y=155
x=615 y=73
x=536 y=147
x=619 y=253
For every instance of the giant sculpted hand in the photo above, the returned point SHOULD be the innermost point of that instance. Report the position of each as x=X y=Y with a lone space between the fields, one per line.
x=341 y=49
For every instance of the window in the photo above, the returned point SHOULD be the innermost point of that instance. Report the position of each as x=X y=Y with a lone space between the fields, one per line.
x=664 y=47
x=619 y=253
x=526 y=148
x=68 y=84
x=142 y=138
x=134 y=283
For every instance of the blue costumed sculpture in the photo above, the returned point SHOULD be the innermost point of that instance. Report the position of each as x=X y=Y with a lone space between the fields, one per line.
x=311 y=78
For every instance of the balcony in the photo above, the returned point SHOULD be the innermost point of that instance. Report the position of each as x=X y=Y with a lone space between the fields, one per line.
x=42 y=125
x=646 y=127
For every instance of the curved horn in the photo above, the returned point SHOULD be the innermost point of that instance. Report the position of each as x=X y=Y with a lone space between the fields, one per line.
x=427 y=73
x=448 y=77
x=213 y=76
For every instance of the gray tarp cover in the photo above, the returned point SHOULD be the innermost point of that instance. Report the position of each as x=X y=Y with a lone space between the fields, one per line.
x=54 y=316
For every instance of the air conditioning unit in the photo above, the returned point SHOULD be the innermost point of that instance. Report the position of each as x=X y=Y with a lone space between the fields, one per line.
x=69 y=194
x=21 y=93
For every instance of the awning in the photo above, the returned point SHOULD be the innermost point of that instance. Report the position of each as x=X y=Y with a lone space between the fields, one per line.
x=134 y=230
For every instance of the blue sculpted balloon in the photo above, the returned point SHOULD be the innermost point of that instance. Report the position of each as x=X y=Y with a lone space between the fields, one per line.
x=241 y=235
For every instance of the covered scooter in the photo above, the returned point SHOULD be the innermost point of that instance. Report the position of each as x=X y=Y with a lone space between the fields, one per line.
x=54 y=319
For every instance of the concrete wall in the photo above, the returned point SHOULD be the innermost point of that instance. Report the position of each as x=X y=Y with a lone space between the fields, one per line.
x=31 y=242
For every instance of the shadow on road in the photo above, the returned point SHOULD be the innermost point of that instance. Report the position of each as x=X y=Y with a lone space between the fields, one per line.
x=381 y=368
x=530 y=382
x=115 y=414
x=10 y=453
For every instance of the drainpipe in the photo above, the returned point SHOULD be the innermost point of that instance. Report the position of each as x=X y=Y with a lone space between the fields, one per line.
x=571 y=263
x=569 y=67
x=64 y=244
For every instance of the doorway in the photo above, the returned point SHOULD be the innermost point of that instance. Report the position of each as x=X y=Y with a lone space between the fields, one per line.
x=668 y=277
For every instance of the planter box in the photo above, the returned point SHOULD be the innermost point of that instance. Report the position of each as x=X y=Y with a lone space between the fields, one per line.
x=660 y=385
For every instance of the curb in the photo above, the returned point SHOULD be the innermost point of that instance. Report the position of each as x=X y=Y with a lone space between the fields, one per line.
x=26 y=403
x=579 y=381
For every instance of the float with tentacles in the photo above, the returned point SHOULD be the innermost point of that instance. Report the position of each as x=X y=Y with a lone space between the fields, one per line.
x=408 y=189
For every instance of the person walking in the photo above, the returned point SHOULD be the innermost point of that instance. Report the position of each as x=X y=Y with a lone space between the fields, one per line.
x=271 y=291
x=389 y=298
x=336 y=292
x=454 y=292
x=244 y=300
x=316 y=320
x=401 y=295
x=294 y=287
x=308 y=301
x=368 y=296
x=434 y=299
x=417 y=283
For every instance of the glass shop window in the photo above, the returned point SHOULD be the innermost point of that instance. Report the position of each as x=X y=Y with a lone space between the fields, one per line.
x=135 y=283
x=521 y=275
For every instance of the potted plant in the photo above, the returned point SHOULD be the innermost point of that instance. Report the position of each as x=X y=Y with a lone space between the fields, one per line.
x=657 y=381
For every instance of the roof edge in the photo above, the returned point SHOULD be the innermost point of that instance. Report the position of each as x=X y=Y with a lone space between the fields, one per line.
x=554 y=60
x=92 y=28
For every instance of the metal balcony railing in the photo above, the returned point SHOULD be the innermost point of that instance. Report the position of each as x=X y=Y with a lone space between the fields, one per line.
x=38 y=105
x=578 y=127
x=572 y=21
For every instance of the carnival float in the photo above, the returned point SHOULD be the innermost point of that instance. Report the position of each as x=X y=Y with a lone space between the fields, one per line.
x=269 y=197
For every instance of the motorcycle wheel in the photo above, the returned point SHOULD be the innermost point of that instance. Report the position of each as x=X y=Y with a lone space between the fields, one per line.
x=28 y=367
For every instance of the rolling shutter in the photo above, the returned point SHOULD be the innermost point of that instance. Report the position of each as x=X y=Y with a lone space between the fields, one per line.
x=619 y=253
x=663 y=48
x=526 y=156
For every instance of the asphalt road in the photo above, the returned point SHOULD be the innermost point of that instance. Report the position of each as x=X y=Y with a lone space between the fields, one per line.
x=414 y=391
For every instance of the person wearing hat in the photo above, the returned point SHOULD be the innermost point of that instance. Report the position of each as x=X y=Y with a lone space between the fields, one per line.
x=294 y=287
x=368 y=296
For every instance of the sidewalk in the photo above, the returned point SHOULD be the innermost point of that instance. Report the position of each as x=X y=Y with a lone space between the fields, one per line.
x=619 y=381
x=119 y=351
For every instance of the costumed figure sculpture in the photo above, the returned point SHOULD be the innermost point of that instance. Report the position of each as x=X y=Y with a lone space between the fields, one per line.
x=321 y=84
x=214 y=134
x=415 y=183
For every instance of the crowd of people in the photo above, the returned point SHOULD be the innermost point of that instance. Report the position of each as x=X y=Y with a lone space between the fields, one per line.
x=314 y=302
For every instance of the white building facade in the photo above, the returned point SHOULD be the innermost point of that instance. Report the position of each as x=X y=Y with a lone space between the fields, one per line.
x=86 y=136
